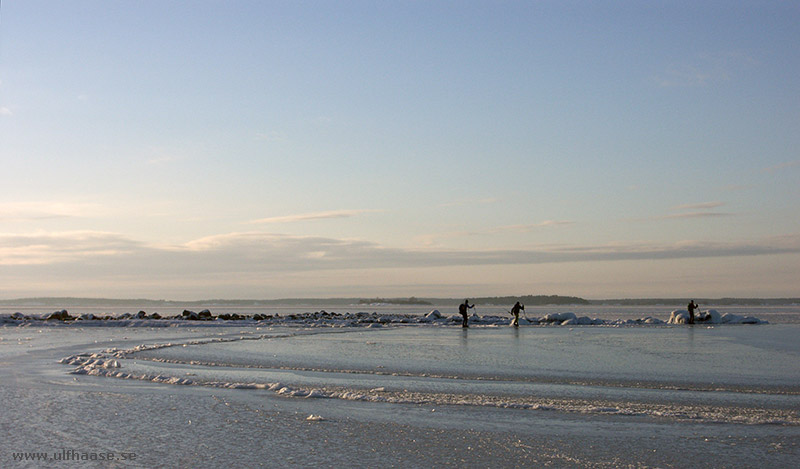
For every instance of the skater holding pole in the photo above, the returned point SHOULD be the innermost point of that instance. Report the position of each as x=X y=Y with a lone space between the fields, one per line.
x=462 y=308
x=515 y=312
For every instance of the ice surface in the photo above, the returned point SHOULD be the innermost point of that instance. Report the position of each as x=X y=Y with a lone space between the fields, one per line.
x=640 y=371
x=536 y=396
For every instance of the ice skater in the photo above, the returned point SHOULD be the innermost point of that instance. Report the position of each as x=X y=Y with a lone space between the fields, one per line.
x=691 y=307
x=462 y=308
x=515 y=312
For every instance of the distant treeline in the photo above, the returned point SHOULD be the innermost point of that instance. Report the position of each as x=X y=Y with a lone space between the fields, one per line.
x=395 y=301
x=95 y=302
x=532 y=300
x=144 y=302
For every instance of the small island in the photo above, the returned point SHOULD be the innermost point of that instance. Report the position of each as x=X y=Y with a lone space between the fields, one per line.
x=394 y=301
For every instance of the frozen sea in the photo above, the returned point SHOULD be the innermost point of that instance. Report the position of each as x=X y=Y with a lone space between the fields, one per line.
x=299 y=393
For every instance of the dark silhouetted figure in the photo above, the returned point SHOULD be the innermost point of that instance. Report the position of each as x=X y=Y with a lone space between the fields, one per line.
x=462 y=308
x=691 y=307
x=515 y=312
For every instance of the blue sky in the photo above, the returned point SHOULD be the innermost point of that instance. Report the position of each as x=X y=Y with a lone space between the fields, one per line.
x=279 y=149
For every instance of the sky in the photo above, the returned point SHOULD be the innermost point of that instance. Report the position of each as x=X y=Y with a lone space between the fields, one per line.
x=280 y=149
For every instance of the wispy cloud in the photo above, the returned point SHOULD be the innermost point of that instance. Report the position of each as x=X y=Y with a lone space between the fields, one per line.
x=4 y=111
x=272 y=136
x=458 y=203
x=695 y=215
x=699 y=210
x=43 y=248
x=29 y=211
x=314 y=216
x=738 y=187
x=431 y=239
x=704 y=69
x=265 y=252
x=159 y=156
x=525 y=228
x=680 y=250
x=686 y=75
x=782 y=166
x=162 y=160
x=700 y=206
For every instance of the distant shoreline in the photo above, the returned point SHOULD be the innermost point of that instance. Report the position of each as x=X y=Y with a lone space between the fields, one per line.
x=531 y=300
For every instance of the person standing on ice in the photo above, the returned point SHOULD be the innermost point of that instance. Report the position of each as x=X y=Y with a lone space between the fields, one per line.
x=691 y=307
x=515 y=312
x=462 y=308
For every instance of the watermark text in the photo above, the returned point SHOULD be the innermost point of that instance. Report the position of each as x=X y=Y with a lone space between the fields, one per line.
x=73 y=455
